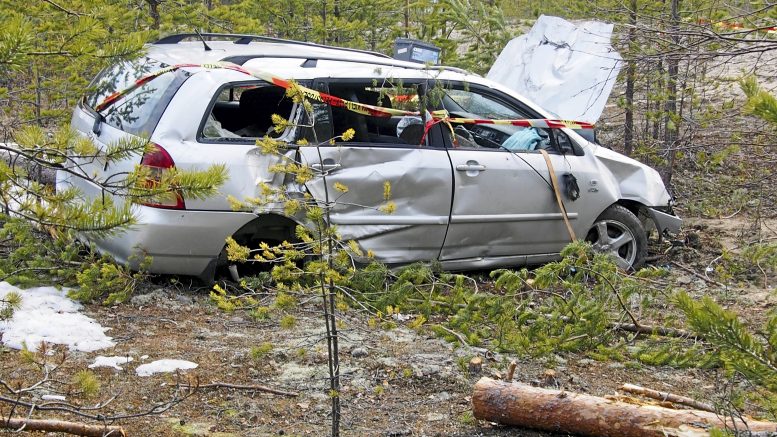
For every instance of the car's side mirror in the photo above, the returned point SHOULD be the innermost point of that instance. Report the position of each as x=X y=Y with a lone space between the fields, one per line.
x=588 y=134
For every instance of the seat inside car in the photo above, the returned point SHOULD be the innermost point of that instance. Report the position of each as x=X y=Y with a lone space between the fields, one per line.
x=257 y=106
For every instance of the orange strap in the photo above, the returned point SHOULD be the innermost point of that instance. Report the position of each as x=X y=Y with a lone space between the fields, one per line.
x=554 y=184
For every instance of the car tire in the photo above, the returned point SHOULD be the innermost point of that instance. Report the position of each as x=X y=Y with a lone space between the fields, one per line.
x=618 y=232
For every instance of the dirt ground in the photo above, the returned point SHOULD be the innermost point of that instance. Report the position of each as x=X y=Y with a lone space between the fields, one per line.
x=398 y=382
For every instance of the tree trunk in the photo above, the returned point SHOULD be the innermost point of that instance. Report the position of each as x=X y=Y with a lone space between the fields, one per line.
x=671 y=120
x=563 y=412
x=153 y=9
x=38 y=99
x=336 y=12
x=658 y=108
x=74 y=428
x=407 y=18
x=323 y=22
x=631 y=75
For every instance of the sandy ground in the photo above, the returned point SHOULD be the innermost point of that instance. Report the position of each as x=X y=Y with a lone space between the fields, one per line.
x=398 y=382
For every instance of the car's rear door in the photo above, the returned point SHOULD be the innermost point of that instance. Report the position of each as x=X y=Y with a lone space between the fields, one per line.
x=389 y=191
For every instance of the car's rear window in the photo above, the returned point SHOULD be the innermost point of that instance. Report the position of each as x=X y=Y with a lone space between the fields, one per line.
x=118 y=77
x=139 y=111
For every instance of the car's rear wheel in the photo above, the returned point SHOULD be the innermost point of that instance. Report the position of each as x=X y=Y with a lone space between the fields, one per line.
x=619 y=233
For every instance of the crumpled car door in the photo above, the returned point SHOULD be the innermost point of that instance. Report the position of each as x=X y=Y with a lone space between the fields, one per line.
x=420 y=188
x=391 y=197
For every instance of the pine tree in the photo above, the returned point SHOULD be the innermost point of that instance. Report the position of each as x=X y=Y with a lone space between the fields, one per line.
x=759 y=102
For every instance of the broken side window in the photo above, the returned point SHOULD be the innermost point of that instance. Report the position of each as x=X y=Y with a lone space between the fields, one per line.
x=395 y=129
x=461 y=102
x=245 y=111
x=316 y=125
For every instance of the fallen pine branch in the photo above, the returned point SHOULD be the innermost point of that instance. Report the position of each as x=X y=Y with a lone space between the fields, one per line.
x=261 y=388
x=654 y=330
x=74 y=428
x=455 y=334
x=647 y=329
x=665 y=396
x=33 y=170
x=564 y=412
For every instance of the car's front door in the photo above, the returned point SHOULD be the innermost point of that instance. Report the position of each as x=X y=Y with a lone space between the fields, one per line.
x=503 y=204
x=390 y=191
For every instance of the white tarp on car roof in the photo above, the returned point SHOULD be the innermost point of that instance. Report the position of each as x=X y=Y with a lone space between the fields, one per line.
x=567 y=69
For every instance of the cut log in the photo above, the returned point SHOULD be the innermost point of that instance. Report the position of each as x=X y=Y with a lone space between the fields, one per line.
x=74 y=428
x=564 y=412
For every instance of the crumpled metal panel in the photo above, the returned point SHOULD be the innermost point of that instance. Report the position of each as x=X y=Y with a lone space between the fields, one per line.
x=420 y=188
x=635 y=180
x=566 y=68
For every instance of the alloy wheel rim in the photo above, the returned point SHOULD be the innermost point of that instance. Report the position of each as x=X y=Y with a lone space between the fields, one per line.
x=614 y=238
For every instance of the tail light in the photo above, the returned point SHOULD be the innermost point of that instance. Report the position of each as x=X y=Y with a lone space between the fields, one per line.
x=158 y=160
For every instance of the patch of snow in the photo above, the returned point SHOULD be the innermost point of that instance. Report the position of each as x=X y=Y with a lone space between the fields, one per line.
x=402 y=317
x=48 y=315
x=114 y=362
x=53 y=398
x=565 y=68
x=164 y=366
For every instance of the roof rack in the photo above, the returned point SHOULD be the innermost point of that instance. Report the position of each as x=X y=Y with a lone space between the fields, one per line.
x=242 y=59
x=246 y=39
x=453 y=69
x=391 y=62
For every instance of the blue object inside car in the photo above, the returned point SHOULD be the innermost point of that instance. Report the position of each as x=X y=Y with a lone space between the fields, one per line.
x=524 y=139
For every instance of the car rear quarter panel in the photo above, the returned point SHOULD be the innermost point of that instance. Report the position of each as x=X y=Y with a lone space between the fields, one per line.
x=180 y=242
x=97 y=168
x=177 y=131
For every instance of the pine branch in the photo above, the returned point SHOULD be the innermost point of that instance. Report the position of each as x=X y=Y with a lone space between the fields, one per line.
x=67 y=11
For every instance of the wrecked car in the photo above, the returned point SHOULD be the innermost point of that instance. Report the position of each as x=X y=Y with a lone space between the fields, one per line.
x=477 y=187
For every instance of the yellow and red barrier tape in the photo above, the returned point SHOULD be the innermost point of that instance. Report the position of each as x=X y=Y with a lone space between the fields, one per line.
x=737 y=26
x=116 y=96
x=360 y=108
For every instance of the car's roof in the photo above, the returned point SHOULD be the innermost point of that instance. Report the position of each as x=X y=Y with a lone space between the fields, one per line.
x=194 y=51
x=256 y=51
x=294 y=59
x=177 y=48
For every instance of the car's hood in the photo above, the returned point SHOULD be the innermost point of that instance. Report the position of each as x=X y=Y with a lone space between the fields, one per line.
x=567 y=68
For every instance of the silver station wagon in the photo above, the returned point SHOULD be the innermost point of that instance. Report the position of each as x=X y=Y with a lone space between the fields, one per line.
x=476 y=189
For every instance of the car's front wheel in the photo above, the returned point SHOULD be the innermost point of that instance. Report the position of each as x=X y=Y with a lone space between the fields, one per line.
x=619 y=233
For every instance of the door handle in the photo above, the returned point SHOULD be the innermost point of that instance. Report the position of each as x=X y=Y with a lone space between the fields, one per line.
x=324 y=167
x=471 y=166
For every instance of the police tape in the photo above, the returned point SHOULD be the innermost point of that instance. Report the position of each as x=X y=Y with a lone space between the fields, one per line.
x=116 y=96
x=542 y=123
x=379 y=111
x=737 y=27
x=357 y=107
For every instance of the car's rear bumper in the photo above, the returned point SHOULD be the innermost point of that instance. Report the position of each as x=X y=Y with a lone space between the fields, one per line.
x=180 y=242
